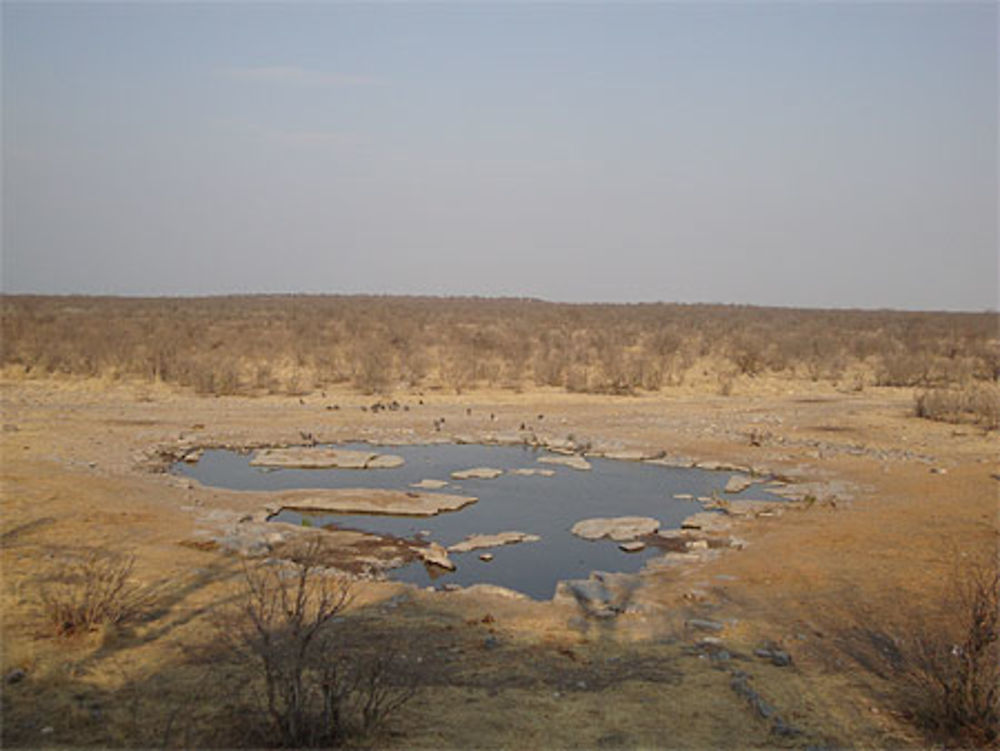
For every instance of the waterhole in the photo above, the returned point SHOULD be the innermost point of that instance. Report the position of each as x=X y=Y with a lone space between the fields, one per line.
x=547 y=506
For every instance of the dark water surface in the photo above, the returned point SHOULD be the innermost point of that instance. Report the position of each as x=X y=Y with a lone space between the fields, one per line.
x=545 y=506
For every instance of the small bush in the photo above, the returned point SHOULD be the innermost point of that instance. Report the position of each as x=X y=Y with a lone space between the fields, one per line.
x=942 y=665
x=92 y=590
x=317 y=688
x=978 y=404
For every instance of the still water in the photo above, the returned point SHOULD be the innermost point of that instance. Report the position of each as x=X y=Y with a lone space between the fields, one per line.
x=545 y=506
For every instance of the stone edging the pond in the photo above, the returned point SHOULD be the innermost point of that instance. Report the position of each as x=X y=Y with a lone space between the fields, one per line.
x=701 y=537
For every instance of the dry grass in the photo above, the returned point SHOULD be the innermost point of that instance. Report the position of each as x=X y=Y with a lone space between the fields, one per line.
x=295 y=344
x=975 y=403
x=92 y=589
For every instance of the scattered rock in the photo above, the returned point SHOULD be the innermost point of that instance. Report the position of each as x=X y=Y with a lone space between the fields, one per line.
x=193 y=457
x=776 y=657
x=487 y=557
x=603 y=595
x=939 y=471
x=703 y=624
x=633 y=547
x=475 y=542
x=435 y=555
x=697 y=545
x=429 y=484
x=707 y=521
x=618 y=528
x=574 y=461
x=683 y=496
x=14 y=676
x=754 y=508
x=477 y=473
x=673 y=534
x=738 y=483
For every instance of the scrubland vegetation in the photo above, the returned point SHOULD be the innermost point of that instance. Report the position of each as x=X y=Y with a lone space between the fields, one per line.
x=293 y=344
x=939 y=661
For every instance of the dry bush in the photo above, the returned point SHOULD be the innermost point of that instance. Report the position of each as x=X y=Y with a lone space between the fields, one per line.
x=254 y=344
x=976 y=403
x=91 y=589
x=314 y=690
x=940 y=664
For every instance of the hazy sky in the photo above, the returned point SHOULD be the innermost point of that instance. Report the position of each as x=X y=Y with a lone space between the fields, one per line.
x=837 y=154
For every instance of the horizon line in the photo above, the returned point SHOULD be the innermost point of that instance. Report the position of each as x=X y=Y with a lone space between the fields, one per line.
x=492 y=298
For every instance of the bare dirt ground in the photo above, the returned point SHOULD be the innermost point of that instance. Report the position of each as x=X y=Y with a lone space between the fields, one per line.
x=912 y=498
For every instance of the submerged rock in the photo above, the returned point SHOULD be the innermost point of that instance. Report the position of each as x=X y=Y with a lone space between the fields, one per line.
x=574 y=461
x=475 y=542
x=429 y=484
x=372 y=501
x=477 y=473
x=530 y=472
x=617 y=528
x=299 y=457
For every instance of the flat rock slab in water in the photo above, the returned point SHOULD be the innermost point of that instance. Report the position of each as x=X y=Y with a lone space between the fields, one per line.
x=477 y=473
x=324 y=458
x=738 y=483
x=475 y=542
x=373 y=501
x=575 y=462
x=528 y=472
x=627 y=455
x=429 y=484
x=619 y=528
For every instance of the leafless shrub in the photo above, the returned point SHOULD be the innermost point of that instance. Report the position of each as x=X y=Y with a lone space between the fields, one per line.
x=232 y=345
x=92 y=589
x=941 y=665
x=290 y=632
x=976 y=403
x=748 y=355
x=372 y=367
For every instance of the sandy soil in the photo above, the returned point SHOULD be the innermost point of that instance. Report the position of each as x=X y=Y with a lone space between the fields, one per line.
x=905 y=500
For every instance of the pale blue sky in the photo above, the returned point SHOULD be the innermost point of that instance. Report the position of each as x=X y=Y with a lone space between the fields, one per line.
x=838 y=154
